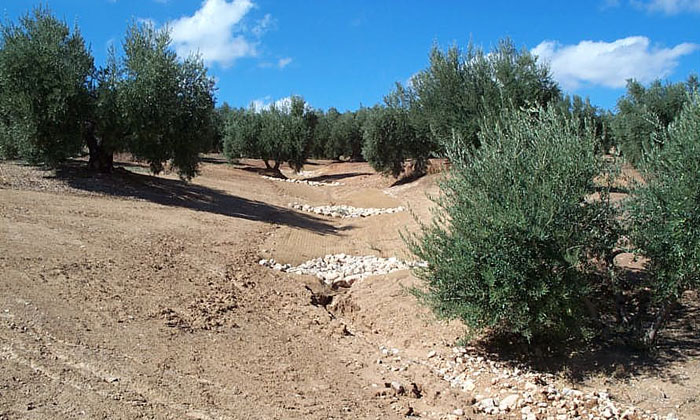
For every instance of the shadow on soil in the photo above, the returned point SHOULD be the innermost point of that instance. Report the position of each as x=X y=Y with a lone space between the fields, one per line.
x=176 y=193
x=611 y=356
x=262 y=171
x=320 y=178
x=214 y=159
x=325 y=178
x=407 y=179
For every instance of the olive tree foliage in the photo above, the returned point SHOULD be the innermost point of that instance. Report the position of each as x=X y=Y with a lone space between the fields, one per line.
x=459 y=88
x=453 y=95
x=644 y=113
x=44 y=95
x=664 y=215
x=589 y=116
x=168 y=103
x=387 y=150
x=276 y=135
x=388 y=134
x=106 y=128
x=53 y=102
x=511 y=246
x=346 y=136
x=325 y=143
x=221 y=114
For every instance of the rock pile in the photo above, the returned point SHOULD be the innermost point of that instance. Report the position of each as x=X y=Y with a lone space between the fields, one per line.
x=504 y=391
x=304 y=181
x=340 y=270
x=345 y=212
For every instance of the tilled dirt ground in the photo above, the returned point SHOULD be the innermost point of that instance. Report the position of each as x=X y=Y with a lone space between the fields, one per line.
x=133 y=296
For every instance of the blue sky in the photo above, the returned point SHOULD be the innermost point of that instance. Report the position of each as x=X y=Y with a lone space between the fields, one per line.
x=345 y=53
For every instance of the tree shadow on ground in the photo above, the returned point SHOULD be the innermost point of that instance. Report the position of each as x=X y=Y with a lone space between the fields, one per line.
x=335 y=177
x=408 y=178
x=262 y=171
x=214 y=159
x=610 y=355
x=177 y=193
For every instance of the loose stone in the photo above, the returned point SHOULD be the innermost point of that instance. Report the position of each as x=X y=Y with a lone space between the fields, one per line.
x=340 y=270
x=345 y=212
x=303 y=181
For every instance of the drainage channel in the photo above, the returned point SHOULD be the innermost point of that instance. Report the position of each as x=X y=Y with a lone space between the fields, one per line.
x=345 y=212
x=341 y=270
x=304 y=181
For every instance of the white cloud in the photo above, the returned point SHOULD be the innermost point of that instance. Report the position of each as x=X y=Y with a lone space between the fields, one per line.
x=284 y=62
x=283 y=104
x=265 y=103
x=215 y=32
x=147 y=21
x=610 y=64
x=669 y=7
x=263 y=25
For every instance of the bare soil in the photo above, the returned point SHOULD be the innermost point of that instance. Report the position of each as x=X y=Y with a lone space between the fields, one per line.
x=134 y=296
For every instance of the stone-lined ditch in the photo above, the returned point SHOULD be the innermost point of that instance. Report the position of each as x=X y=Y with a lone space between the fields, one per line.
x=341 y=270
x=345 y=212
x=304 y=181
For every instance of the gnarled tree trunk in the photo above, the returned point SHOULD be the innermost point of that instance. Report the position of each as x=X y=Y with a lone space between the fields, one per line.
x=101 y=159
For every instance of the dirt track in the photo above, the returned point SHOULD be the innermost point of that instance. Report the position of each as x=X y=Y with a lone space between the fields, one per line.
x=134 y=296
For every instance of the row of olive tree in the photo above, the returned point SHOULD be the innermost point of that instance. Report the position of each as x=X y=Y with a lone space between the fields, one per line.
x=455 y=94
x=279 y=134
x=54 y=102
x=449 y=98
x=292 y=132
x=645 y=113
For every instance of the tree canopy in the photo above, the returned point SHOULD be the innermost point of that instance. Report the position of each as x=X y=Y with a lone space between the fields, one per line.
x=54 y=102
x=279 y=134
x=44 y=92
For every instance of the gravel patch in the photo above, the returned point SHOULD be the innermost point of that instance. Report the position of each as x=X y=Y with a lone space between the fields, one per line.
x=502 y=390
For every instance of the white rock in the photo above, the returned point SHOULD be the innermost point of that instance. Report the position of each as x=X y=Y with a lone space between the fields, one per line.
x=487 y=403
x=509 y=403
x=468 y=385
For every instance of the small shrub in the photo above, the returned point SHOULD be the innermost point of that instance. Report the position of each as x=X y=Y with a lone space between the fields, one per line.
x=514 y=236
x=664 y=214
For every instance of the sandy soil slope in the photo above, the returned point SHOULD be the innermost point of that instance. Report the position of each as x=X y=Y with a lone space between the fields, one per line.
x=133 y=296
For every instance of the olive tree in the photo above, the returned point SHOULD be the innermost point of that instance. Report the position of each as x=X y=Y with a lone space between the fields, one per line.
x=168 y=103
x=646 y=112
x=459 y=88
x=664 y=216
x=281 y=133
x=395 y=133
x=515 y=238
x=456 y=92
x=44 y=94
x=389 y=140
x=106 y=128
